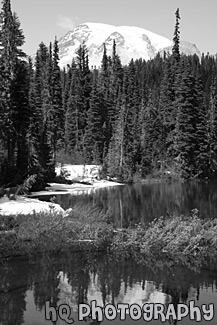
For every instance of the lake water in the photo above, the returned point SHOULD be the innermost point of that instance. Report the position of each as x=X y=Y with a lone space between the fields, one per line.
x=137 y=203
x=78 y=278
x=75 y=278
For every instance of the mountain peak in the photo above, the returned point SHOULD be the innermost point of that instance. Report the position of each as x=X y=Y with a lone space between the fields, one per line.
x=132 y=42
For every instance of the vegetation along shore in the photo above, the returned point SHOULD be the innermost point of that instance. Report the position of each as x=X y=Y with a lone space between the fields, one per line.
x=189 y=241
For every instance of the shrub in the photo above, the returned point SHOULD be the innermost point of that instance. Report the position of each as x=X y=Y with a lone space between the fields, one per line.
x=173 y=240
x=185 y=240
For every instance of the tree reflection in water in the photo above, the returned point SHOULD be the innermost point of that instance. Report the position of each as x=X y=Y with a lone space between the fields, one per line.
x=130 y=204
x=82 y=277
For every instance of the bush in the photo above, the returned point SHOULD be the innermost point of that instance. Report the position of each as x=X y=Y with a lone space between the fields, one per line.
x=42 y=232
x=189 y=241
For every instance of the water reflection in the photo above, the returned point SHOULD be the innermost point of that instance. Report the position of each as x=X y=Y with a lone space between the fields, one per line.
x=75 y=278
x=137 y=203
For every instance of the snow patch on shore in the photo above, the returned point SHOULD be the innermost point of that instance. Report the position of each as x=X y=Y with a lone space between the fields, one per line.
x=24 y=205
x=76 y=173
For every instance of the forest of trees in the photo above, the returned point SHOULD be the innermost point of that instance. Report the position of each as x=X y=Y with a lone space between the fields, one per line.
x=153 y=115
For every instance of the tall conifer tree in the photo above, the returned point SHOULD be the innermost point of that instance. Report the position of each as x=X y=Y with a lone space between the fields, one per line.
x=58 y=114
x=212 y=130
x=11 y=55
x=176 y=38
x=94 y=130
x=185 y=130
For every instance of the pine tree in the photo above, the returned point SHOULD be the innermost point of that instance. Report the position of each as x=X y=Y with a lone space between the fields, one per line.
x=78 y=103
x=185 y=130
x=115 y=157
x=132 y=130
x=201 y=149
x=73 y=131
x=33 y=135
x=49 y=67
x=57 y=112
x=151 y=140
x=176 y=38
x=212 y=130
x=116 y=82
x=124 y=150
x=21 y=116
x=66 y=81
x=105 y=99
x=167 y=107
x=43 y=107
x=94 y=131
x=11 y=55
x=36 y=96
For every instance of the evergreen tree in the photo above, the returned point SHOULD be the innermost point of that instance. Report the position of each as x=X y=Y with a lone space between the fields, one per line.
x=94 y=132
x=176 y=38
x=21 y=117
x=212 y=130
x=154 y=74
x=34 y=125
x=167 y=108
x=78 y=103
x=116 y=81
x=66 y=81
x=115 y=157
x=132 y=130
x=73 y=129
x=201 y=149
x=11 y=55
x=185 y=130
x=151 y=140
x=124 y=149
x=43 y=107
x=57 y=112
x=105 y=99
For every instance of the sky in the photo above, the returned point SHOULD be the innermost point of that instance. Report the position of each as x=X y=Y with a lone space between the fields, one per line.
x=42 y=20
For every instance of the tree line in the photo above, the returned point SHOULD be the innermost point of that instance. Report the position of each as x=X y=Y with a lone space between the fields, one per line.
x=153 y=115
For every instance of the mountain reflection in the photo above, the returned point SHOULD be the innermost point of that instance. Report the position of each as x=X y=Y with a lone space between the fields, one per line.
x=82 y=277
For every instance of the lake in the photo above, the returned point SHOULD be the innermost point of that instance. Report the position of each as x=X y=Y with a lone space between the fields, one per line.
x=83 y=277
x=77 y=278
x=130 y=204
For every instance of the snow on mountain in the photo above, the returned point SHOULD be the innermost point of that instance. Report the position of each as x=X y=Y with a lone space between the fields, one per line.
x=131 y=42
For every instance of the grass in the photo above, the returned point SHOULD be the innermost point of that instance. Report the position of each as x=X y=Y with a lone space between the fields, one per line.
x=39 y=232
x=189 y=241
x=182 y=240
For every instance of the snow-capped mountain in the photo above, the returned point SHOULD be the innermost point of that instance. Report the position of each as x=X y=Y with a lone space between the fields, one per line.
x=131 y=42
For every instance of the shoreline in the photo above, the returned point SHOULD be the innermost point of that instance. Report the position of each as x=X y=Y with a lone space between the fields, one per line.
x=58 y=188
x=84 y=178
x=29 y=204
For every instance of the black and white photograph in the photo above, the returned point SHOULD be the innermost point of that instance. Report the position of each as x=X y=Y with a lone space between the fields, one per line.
x=108 y=162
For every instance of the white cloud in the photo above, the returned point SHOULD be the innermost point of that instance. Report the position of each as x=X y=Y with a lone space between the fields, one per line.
x=66 y=22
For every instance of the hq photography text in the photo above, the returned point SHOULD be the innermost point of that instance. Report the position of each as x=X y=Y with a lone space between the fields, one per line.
x=147 y=312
